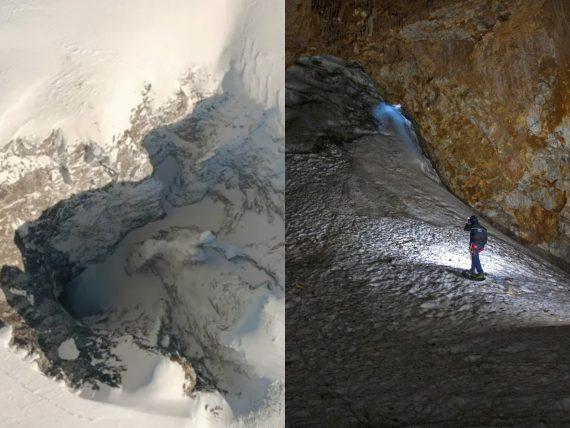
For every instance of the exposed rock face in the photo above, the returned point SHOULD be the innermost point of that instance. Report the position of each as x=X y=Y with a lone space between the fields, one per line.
x=84 y=198
x=487 y=84
x=36 y=173
x=55 y=249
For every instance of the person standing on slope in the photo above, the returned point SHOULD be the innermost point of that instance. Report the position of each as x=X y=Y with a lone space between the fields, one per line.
x=477 y=241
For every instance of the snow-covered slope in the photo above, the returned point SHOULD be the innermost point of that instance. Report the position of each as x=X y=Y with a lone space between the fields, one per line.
x=382 y=329
x=142 y=173
x=80 y=67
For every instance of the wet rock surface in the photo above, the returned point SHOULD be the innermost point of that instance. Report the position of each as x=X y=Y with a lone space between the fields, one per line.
x=382 y=329
x=487 y=83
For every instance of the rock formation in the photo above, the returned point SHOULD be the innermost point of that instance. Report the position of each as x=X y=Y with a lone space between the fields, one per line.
x=314 y=117
x=487 y=84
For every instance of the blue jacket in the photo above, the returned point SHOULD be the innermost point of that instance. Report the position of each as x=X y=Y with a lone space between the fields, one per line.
x=477 y=234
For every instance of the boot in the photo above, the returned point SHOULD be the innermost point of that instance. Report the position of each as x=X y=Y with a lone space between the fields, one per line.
x=479 y=276
x=473 y=275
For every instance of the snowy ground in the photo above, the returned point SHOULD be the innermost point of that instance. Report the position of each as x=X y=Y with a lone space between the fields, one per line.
x=27 y=396
x=158 y=128
x=381 y=327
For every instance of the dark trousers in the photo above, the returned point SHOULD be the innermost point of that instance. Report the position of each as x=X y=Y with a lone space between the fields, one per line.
x=475 y=262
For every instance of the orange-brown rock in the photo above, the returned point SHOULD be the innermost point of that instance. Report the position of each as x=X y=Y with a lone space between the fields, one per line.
x=486 y=82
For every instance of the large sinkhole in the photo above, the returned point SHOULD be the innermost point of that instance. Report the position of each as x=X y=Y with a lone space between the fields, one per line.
x=183 y=265
x=104 y=287
x=90 y=293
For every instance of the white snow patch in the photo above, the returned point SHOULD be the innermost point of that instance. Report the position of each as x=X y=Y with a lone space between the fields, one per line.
x=68 y=350
x=27 y=396
x=80 y=66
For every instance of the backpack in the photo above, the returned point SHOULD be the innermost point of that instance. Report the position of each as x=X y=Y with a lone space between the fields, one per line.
x=479 y=235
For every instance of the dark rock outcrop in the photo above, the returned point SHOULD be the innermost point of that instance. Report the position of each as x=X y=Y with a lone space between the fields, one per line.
x=327 y=99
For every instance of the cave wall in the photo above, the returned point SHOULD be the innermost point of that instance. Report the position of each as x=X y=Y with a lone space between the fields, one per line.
x=487 y=84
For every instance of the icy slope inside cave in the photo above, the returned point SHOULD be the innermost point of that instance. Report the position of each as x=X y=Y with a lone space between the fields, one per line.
x=404 y=215
x=375 y=247
x=178 y=109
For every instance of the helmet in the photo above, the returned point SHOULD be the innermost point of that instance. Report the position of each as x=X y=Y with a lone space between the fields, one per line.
x=472 y=220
